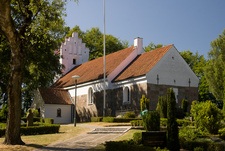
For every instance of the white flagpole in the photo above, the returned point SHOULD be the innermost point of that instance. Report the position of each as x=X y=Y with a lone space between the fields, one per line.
x=104 y=62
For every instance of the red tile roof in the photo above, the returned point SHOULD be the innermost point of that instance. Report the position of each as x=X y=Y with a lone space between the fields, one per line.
x=55 y=96
x=143 y=63
x=93 y=70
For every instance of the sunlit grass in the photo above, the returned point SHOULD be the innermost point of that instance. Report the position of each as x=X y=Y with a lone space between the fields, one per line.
x=37 y=141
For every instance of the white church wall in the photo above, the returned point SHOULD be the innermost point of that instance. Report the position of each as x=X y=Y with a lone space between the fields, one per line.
x=51 y=112
x=172 y=70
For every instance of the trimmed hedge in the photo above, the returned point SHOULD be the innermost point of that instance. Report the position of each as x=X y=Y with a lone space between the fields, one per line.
x=96 y=119
x=118 y=120
x=42 y=129
x=136 y=123
x=36 y=130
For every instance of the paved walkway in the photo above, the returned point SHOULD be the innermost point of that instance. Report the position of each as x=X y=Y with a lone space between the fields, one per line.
x=86 y=141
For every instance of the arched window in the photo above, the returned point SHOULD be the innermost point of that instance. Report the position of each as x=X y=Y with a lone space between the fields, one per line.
x=58 y=112
x=126 y=95
x=90 y=96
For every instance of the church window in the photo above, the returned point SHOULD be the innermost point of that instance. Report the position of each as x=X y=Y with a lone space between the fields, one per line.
x=74 y=61
x=59 y=112
x=90 y=96
x=126 y=95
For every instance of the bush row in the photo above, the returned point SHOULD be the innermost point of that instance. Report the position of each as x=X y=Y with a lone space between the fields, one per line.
x=126 y=145
x=35 y=130
x=202 y=145
x=113 y=119
x=38 y=119
x=163 y=122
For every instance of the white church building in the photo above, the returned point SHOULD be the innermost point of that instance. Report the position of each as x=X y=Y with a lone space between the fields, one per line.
x=130 y=73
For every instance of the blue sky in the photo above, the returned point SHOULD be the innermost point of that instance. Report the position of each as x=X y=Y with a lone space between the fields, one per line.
x=188 y=24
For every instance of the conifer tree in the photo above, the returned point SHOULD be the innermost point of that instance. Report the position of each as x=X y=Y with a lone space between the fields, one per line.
x=172 y=126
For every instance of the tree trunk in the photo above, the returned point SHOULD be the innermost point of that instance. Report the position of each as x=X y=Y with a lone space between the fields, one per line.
x=7 y=28
x=14 y=98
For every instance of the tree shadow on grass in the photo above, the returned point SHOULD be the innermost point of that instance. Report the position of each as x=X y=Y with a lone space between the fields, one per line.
x=52 y=148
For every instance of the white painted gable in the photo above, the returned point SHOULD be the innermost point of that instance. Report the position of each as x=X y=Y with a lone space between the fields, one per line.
x=172 y=70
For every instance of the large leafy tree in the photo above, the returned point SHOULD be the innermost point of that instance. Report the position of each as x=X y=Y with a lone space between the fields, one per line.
x=214 y=71
x=94 y=41
x=29 y=32
x=152 y=46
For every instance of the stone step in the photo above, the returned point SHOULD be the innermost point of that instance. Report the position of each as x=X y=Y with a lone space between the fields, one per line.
x=109 y=130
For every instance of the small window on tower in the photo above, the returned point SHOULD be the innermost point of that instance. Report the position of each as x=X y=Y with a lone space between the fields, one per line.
x=74 y=61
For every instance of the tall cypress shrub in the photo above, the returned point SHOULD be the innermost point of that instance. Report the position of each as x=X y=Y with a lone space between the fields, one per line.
x=184 y=105
x=172 y=126
x=144 y=103
x=162 y=106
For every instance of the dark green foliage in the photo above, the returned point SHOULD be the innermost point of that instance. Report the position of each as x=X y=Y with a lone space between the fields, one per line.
x=36 y=119
x=137 y=138
x=96 y=119
x=3 y=113
x=48 y=120
x=172 y=126
x=144 y=103
x=108 y=119
x=151 y=121
x=162 y=106
x=222 y=133
x=36 y=129
x=180 y=122
x=203 y=143
x=42 y=129
x=207 y=116
x=118 y=120
x=180 y=114
x=184 y=105
x=126 y=145
x=136 y=123
x=129 y=115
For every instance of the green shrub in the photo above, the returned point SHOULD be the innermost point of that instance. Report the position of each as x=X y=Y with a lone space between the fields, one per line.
x=151 y=121
x=48 y=120
x=137 y=138
x=207 y=116
x=41 y=129
x=190 y=134
x=108 y=119
x=136 y=123
x=163 y=121
x=222 y=133
x=126 y=145
x=184 y=122
x=35 y=119
x=144 y=103
x=3 y=113
x=184 y=105
x=162 y=106
x=198 y=149
x=96 y=119
x=206 y=144
x=36 y=129
x=129 y=115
